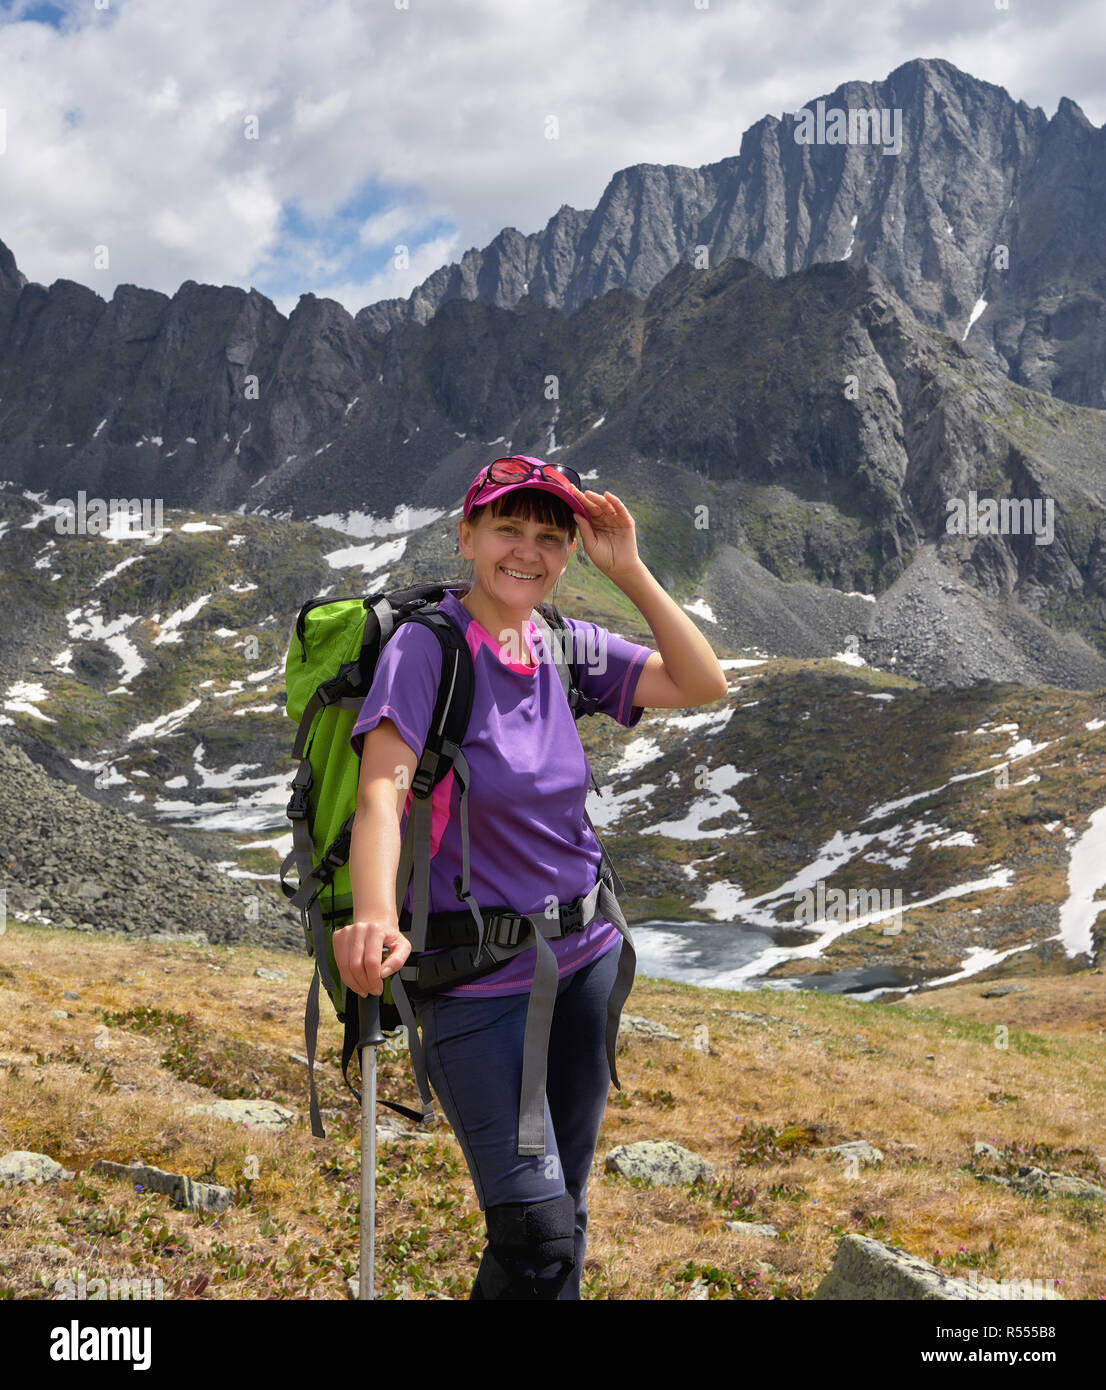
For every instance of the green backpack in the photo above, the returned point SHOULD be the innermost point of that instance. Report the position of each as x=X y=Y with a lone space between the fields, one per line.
x=330 y=665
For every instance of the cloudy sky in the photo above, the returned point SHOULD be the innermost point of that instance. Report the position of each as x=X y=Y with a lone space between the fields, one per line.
x=130 y=124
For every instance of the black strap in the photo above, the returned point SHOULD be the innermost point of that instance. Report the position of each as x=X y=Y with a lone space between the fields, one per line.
x=505 y=926
x=349 y=1047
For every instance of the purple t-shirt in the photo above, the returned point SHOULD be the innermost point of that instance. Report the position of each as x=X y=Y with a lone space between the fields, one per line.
x=528 y=840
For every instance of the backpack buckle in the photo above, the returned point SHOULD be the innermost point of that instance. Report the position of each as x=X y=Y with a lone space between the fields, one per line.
x=331 y=862
x=508 y=928
x=572 y=917
x=580 y=703
x=298 y=804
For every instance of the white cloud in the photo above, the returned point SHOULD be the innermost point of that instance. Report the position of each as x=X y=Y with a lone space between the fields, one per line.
x=387 y=227
x=389 y=283
x=425 y=125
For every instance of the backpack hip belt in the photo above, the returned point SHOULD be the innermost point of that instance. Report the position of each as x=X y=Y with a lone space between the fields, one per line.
x=451 y=959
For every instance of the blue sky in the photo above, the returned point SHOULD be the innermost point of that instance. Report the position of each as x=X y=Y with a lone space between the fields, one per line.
x=128 y=158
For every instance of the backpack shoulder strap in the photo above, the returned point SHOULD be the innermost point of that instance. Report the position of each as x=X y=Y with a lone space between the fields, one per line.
x=453 y=706
x=441 y=753
x=555 y=634
x=554 y=631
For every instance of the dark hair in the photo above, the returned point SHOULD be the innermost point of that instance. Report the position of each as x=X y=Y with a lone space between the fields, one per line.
x=533 y=503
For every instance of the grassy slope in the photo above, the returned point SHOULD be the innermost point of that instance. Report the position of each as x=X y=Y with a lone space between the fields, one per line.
x=922 y=1080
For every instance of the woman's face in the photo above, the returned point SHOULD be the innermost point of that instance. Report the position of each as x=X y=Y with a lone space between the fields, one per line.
x=499 y=544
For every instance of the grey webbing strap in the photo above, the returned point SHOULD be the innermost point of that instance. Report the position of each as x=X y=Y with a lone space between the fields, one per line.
x=554 y=644
x=406 y=861
x=419 y=912
x=306 y=720
x=414 y=858
x=303 y=847
x=624 y=981
x=384 y=616
x=420 y=905
x=539 y=1017
x=321 y=876
x=619 y=886
x=311 y=709
x=420 y=812
x=415 y=1048
x=535 y=1049
x=461 y=771
x=303 y=853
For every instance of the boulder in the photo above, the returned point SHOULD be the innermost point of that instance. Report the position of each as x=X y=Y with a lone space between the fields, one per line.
x=868 y=1269
x=751 y=1228
x=24 y=1165
x=661 y=1162
x=256 y=1114
x=858 y=1149
x=633 y=1025
x=181 y=1190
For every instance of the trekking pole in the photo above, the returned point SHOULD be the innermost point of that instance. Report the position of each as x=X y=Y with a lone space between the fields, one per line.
x=370 y=1038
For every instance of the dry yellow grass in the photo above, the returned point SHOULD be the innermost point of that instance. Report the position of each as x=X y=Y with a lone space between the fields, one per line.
x=817 y=1069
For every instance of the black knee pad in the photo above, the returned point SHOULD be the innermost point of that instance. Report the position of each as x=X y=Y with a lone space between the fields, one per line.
x=531 y=1249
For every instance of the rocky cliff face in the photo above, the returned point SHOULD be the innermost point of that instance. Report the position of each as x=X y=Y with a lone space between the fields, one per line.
x=986 y=199
x=823 y=426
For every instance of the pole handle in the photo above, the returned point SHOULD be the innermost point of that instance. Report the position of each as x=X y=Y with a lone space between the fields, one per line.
x=368 y=1014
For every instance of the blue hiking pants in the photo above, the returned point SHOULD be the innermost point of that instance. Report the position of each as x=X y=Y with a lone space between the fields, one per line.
x=474 y=1062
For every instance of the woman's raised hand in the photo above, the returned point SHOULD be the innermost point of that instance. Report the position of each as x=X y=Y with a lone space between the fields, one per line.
x=610 y=538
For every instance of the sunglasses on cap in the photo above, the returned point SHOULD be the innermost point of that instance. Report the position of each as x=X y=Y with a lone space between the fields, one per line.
x=507 y=471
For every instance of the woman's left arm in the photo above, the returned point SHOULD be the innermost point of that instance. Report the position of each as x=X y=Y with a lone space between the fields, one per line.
x=683 y=671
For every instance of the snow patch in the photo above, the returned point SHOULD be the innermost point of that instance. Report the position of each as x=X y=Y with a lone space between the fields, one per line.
x=704 y=808
x=980 y=305
x=20 y=696
x=701 y=610
x=170 y=627
x=165 y=723
x=371 y=558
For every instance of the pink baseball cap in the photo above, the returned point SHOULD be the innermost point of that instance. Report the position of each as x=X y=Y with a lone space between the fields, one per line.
x=535 y=480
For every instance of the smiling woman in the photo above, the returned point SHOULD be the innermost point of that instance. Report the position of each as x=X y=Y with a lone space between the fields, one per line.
x=518 y=1022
